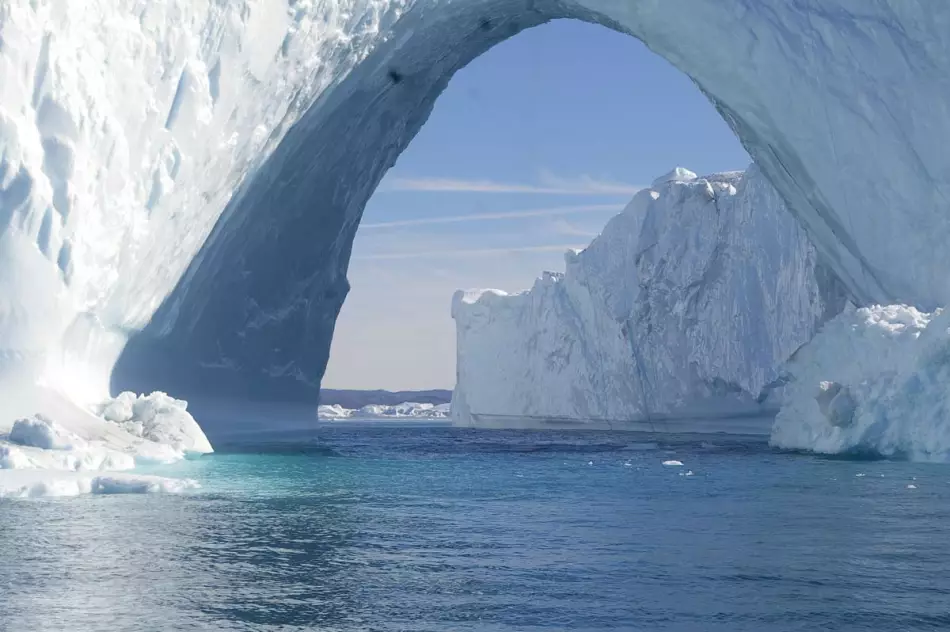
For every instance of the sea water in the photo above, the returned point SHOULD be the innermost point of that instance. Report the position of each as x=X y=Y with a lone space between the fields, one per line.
x=406 y=527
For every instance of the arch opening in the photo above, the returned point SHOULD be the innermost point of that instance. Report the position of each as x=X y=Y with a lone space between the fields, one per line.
x=529 y=152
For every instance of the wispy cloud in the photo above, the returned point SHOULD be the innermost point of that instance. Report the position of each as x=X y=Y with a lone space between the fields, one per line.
x=481 y=217
x=561 y=226
x=548 y=185
x=588 y=185
x=469 y=252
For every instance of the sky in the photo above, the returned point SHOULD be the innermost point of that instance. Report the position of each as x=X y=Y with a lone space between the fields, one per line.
x=528 y=153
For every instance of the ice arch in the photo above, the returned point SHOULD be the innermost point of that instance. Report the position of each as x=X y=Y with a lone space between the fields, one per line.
x=300 y=109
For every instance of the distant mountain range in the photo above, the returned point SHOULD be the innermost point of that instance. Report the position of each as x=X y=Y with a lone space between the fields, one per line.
x=358 y=399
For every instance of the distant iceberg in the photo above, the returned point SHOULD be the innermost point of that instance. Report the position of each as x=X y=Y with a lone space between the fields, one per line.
x=688 y=303
x=406 y=410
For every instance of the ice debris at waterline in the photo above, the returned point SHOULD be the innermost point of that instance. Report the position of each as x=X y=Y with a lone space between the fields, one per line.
x=39 y=484
x=690 y=301
x=874 y=381
x=64 y=450
x=158 y=418
x=406 y=410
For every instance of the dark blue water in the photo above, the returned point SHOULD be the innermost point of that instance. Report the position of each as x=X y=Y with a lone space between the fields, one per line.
x=364 y=527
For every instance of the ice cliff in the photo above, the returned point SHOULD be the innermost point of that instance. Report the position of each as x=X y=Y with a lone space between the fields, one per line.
x=689 y=302
x=189 y=174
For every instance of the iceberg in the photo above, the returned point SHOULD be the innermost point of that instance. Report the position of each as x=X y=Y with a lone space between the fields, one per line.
x=873 y=382
x=688 y=304
x=406 y=410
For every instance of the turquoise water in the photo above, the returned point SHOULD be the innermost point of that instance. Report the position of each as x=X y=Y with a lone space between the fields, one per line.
x=363 y=527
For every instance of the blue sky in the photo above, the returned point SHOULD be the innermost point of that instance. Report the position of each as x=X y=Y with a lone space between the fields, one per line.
x=529 y=152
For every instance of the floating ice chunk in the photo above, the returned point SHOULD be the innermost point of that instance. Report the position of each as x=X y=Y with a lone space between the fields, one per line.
x=39 y=442
x=673 y=463
x=158 y=418
x=74 y=446
x=334 y=411
x=39 y=483
x=125 y=484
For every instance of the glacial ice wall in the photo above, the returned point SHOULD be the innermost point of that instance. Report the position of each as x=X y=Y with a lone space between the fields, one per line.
x=195 y=170
x=689 y=302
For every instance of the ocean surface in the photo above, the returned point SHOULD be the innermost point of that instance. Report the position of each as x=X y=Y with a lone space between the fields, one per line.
x=388 y=527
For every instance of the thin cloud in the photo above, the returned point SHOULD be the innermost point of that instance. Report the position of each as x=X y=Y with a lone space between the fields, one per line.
x=482 y=217
x=550 y=185
x=563 y=227
x=472 y=252
x=588 y=185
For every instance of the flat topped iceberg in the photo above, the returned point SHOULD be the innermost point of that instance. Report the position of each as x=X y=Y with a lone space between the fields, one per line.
x=687 y=304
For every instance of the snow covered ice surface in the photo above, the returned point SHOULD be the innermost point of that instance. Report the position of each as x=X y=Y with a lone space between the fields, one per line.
x=404 y=411
x=875 y=381
x=689 y=302
x=69 y=451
